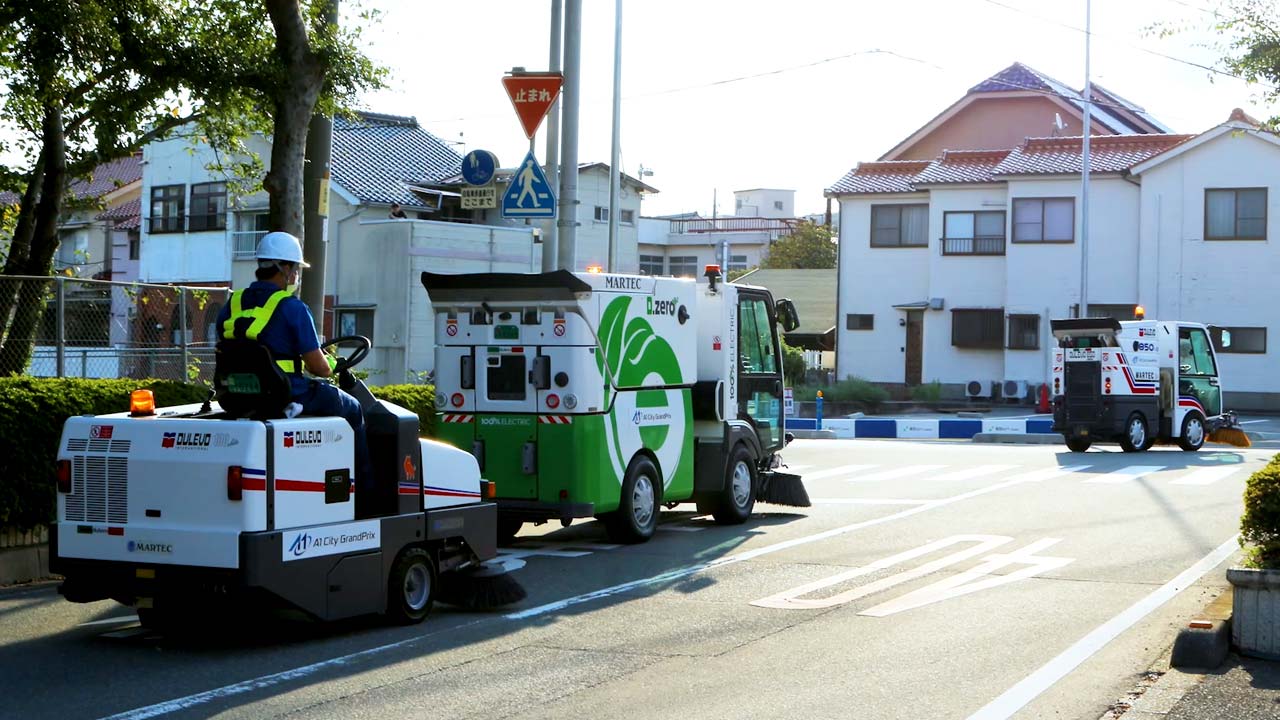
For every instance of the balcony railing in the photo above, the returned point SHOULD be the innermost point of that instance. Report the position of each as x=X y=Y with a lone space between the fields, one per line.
x=980 y=245
x=244 y=243
x=775 y=227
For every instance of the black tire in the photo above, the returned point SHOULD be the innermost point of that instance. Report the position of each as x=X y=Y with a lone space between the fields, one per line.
x=508 y=528
x=738 y=497
x=155 y=619
x=1193 y=432
x=1135 y=437
x=1077 y=444
x=411 y=587
x=636 y=518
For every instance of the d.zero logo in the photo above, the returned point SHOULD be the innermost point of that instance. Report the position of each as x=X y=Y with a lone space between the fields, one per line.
x=169 y=440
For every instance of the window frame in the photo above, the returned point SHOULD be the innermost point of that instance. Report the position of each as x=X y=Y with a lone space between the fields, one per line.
x=899 y=208
x=207 y=220
x=856 y=322
x=995 y=318
x=169 y=223
x=1215 y=339
x=681 y=260
x=651 y=260
x=1235 y=220
x=364 y=316
x=601 y=214
x=1010 y=334
x=627 y=217
x=1003 y=237
x=1013 y=223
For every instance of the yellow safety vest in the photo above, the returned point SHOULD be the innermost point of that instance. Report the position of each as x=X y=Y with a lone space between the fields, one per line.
x=260 y=316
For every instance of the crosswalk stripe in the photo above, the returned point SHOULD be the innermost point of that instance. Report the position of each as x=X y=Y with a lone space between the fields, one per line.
x=1046 y=473
x=832 y=472
x=1206 y=476
x=973 y=472
x=896 y=473
x=1125 y=474
x=868 y=501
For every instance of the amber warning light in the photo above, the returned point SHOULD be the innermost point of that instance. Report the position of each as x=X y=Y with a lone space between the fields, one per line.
x=142 y=402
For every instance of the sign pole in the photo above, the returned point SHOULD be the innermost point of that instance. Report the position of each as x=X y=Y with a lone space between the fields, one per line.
x=551 y=241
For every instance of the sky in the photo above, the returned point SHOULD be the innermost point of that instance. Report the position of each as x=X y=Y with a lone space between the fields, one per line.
x=730 y=95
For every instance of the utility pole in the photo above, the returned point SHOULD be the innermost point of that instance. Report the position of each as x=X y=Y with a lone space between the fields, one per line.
x=1084 y=170
x=615 y=173
x=315 y=184
x=568 y=211
x=551 y=242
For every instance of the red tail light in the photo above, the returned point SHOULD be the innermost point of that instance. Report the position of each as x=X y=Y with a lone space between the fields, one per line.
x=553 y=401
x=64 y=477
x=457 y=400
x=235 y=482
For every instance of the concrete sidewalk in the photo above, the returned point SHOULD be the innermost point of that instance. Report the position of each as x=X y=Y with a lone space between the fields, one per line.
x=1241 y=689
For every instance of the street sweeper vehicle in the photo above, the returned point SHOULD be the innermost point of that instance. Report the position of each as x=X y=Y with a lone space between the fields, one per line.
x=608 y=396
x=178 y=510
x=1138 y=383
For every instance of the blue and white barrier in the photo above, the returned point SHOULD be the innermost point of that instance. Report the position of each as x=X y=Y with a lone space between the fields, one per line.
x=958 y=429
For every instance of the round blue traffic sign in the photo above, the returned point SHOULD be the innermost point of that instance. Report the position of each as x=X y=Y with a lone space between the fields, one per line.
x=478 y=167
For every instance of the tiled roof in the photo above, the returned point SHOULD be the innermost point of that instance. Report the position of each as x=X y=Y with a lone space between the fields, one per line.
x=887 y=176
x=126 y=216
x=1058 y=156
x=1019 y=77
x=109 y=176
x=376 y=157
x=1015 y=77
x=961 y=166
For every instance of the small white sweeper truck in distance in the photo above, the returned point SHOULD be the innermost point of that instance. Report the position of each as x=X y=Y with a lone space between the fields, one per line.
x=172 y=510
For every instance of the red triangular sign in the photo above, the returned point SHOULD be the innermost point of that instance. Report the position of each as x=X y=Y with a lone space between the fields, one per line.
x=531 y=96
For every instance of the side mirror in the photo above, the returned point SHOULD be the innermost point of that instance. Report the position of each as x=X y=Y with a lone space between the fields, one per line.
x=787 y=315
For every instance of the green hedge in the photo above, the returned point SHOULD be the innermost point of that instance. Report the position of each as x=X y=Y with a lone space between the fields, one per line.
x=1260 y=524
x=33 y=410
x=849 y=390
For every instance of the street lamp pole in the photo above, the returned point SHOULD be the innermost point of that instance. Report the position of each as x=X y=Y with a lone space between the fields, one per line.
x=1084 y=169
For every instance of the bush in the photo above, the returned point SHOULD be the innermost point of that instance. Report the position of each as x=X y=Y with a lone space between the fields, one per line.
x=1260 y=524
x=849 y=390
x=32 y=411
x=928 y=393
x=793 y=365
x=420 y=399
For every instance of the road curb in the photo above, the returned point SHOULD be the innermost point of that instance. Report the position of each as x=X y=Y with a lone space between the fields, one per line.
x=1203 y=644
x=1020 y=438
x=19 y=565
x=812 y=434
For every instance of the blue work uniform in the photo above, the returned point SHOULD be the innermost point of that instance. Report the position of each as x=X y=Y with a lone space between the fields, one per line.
x=290 y=333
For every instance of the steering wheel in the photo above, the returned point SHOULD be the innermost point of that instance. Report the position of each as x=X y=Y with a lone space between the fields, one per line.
x=355 y=358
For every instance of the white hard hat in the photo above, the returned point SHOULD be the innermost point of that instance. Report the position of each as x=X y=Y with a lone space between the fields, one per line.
x=280 y=246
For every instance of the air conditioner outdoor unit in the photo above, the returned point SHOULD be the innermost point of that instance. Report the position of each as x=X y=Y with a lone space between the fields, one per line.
x=1014 y=390
x=979 y=389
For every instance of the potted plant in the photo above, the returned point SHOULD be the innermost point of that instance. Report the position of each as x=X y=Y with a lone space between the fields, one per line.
x=1255 y=608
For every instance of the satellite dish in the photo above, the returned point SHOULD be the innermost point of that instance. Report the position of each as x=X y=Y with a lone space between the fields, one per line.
x=1057 y=122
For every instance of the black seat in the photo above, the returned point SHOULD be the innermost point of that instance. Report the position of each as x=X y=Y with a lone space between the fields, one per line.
x=248 y=383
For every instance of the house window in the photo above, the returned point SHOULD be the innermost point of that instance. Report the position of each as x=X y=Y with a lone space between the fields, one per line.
x=650 y=264
x=737 y=262
x=859 y=322
x=355 y=321
x=208 y=206
x=683 y=265
x=977 y=328
x=1024 y=332
x=1044 y=220
x=899 y=226
x=777 y=204
x=1244 y=340
x=1117 y=311
x=973 y=233
x=627 y=217
x=135 y=245
x=166 y=209
x=602 y=214
x=1236 y=214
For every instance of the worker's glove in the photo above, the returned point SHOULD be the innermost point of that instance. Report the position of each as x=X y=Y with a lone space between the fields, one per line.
x=333 y=362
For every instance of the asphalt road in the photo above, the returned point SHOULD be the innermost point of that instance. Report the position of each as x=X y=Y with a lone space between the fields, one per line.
x=929 y=579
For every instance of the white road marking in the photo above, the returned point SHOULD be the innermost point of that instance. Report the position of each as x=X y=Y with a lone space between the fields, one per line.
x=970 y=473
x=794 y=468
x=267 y=681
x=896 y=473
x=1017 y=697
x=111 y=621
x=1207 y=476
x=867 y=501
x=1125 y=474
x=1250 y=422
x=680 y=528
x=842 y=470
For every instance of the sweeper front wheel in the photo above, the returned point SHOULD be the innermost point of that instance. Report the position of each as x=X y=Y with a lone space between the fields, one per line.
x=1192 y=438
x=738 y=499
x=411 y=588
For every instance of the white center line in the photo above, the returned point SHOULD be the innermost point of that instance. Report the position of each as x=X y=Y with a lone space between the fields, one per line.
x=1125 y=474
x=1207 y=476
x=1016 y=697
x=896 y=473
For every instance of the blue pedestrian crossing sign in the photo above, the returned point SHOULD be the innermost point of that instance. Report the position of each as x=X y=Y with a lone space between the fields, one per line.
x=529 y=195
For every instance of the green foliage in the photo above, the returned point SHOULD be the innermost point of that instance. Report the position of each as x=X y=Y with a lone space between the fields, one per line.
x=32 y=411
x=852 y=389
x=420 y=399
x=927 y=393
x=810 y=247
x=735 y=274
x=1260 y=524
x=793 y=365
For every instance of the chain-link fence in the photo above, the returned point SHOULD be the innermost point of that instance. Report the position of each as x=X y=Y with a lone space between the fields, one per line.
x=72 y=327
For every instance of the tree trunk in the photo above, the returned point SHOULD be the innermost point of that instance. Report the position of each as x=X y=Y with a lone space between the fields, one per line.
x=44 y=242
x=20 y=246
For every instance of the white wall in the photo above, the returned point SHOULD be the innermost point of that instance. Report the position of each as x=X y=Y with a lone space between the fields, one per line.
x=761 y=202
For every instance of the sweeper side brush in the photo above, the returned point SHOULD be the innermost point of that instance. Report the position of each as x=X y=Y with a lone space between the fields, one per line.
x=483 y=587
x=784 y=489
x=1230 y=436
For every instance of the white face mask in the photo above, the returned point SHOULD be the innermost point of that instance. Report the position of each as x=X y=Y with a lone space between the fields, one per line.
x=294 y=286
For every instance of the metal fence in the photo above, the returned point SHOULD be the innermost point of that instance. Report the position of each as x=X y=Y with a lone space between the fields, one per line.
x=99 y=329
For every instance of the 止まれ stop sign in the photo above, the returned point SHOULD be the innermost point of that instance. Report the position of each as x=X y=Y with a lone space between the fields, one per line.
x=531 y=96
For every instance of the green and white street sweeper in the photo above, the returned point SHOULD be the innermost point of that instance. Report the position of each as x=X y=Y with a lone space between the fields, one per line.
x=602 y=395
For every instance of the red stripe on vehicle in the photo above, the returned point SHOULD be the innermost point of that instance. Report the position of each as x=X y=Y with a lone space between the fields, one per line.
x=445 y=493
x=253 y=483
x=300 y=485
